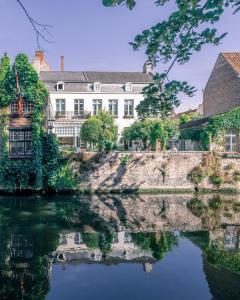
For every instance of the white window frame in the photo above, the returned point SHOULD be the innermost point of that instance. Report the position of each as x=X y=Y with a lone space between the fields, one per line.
x=113 y=107
x=79 y=103
x=127 y=111
x=128 y=87
x=97 y=106
x=231 y=134
x=97 y=87
x=60 y=86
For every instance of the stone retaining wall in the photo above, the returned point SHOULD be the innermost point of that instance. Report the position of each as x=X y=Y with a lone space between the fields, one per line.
x=143 y=171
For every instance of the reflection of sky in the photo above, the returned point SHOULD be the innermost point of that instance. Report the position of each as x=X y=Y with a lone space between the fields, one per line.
x=93 y=37
x=178 y=276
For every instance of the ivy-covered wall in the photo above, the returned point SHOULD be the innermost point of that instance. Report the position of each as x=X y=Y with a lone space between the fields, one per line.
x=35 y=172
x=215 y=130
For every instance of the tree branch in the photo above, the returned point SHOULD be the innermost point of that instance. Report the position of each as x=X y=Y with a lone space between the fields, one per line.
x=40 y=29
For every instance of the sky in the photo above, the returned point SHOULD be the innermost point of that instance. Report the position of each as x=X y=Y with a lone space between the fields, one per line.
x=96 y=38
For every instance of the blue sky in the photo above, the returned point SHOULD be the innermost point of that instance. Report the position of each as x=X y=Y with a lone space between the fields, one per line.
x=93 y=37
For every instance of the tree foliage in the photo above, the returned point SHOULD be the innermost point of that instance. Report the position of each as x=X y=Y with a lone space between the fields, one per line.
x=151 y=131
x=100 y=132
x=45 y=163
x=173 y=41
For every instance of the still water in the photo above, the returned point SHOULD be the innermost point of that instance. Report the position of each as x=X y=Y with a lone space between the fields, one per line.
x=120 y=247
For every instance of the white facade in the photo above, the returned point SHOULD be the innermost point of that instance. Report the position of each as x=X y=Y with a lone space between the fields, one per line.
x=69 y=120
x=74 y=96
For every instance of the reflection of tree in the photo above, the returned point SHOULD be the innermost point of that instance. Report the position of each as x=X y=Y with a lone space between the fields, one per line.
x=25 y=246
x=222 y=258
x=158 y=244
x=223 y=284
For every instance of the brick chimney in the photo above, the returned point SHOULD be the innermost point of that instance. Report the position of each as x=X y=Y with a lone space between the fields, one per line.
x=148 y=67
x=39 y=62
x=40 y=56
x=62 y=63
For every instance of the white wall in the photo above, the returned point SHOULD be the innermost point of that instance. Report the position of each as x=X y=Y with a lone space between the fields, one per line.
x=121 y=122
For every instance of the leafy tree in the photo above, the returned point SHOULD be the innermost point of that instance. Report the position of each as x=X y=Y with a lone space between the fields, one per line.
x=187 y=117
x=174 y=41
x=149 y=132
x=100 y=131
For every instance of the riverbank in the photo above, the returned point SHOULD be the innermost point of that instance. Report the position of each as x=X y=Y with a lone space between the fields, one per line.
x=151 y=173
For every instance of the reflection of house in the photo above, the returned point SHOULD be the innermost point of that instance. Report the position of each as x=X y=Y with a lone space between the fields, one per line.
x=71 y=247
x=74 y=96
x=221 y=94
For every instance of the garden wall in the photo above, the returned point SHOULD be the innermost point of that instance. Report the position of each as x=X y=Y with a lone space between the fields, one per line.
x=145 y=171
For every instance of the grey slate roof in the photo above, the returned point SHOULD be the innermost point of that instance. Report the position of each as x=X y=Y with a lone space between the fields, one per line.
x=90 y=77
x=56 y=76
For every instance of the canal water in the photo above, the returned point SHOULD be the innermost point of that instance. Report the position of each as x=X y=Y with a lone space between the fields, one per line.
x=132 y=247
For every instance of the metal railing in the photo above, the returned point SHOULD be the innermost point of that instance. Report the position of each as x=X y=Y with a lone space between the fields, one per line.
x=72 y=115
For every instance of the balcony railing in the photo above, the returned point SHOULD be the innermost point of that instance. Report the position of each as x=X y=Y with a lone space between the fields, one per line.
x=71 y=115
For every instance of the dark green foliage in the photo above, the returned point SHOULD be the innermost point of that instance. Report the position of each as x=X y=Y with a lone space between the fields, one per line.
x=217 y=179
x=221 y=258
x=220 y=123
x=160 y=98
x=105 y=242
x=159 y=246
x=215 y=203
x=100 y=132
x=198 y=134
x=149 y=132
x=91 y=240
x=175 y=40
x=197 y=207
x=46 y=169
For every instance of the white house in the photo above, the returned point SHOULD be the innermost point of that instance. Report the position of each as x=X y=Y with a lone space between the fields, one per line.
x=74 y=96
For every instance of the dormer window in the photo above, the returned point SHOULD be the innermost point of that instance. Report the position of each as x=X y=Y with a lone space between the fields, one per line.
x=97 y=87
x=60 y=86
x=128 y=87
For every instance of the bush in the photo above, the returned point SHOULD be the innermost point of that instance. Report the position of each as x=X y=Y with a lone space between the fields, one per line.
x=100 y=132
x=62 y=180
x=215 y=203
x=197 y=207
x=217 y=179
x=197 y=175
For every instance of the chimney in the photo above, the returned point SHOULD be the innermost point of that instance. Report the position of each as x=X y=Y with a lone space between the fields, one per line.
x=40 y=56
x=62 y=63
x=148 y=67
x=39 y=63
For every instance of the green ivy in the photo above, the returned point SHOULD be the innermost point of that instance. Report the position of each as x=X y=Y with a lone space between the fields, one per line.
x=46 y=169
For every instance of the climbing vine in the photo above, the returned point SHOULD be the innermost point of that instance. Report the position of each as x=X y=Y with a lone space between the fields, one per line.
x=18 y=174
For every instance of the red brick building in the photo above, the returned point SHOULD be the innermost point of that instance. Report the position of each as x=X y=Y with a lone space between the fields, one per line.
x=222 y=92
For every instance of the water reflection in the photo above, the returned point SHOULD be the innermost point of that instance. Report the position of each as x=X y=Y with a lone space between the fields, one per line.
x=40 y=234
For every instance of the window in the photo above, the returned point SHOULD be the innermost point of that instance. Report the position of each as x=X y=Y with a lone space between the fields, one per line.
x=60 y=86
x=128 y=87
x=97 y=106
x=79 y=107
x=14 y=107
x=129 y=108
x=20 y=143
x=113 y=107
x=60 y=107
x=27 y=107
x=231 y=141
x=97 y=87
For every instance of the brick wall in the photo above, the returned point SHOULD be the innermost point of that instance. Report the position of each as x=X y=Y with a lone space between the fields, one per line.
x=222 y=92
